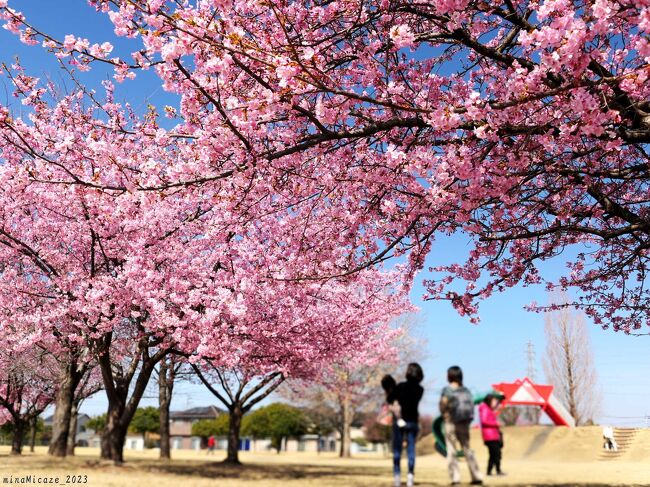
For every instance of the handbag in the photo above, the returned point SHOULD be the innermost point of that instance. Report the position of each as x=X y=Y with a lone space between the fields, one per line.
x=385 y=416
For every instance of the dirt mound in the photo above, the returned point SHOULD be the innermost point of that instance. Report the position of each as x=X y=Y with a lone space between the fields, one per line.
x=424 y=446
x=552 y=443
x=639 y=449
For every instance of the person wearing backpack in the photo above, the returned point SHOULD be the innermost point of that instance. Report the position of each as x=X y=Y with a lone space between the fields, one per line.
x=407 y=394
x=457 y=408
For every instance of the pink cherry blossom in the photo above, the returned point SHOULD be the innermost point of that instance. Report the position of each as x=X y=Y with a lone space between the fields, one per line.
x=402 y=36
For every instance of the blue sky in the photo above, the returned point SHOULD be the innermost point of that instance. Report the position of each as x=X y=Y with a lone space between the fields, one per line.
x=493 y=351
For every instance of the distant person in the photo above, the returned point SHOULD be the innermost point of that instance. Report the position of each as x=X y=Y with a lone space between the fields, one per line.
x=608 y=438
x=457 y=408
x=491 y=432
x=407 y=394
x=211 y=445
x=388 y=383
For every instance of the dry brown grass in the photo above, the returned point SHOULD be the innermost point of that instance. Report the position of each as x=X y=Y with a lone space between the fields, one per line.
x=533 y=456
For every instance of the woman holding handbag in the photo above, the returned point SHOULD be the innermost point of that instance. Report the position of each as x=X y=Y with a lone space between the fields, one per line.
x=403 y=400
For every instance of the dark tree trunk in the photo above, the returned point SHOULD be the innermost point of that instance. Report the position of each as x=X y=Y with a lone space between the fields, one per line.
x=72 y=433
x=69 y=381
x=278 y=443
x=18 y=436
x=236 y=414
x=32 y=433
x=114 y=435
x=165 y=389
x=121 y=407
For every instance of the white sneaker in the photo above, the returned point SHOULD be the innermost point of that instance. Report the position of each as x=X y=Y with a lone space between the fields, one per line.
x=397 y=481
x=410 y=482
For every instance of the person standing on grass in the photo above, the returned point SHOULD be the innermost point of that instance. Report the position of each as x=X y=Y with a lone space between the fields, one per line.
x=457 y=408
x=211 y=445
x=408 y=395
x=491 y=432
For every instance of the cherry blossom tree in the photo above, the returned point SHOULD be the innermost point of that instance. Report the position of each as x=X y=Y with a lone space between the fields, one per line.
x=27 y=386
x=521 y=123
x=238 y=390
x=313 y=141
x=297 y=338
x=350 y=388
x=66 y=256
x=350 y=385
x=132 y=269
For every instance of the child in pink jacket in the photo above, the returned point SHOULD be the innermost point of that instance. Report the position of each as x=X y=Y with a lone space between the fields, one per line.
x=491 y=433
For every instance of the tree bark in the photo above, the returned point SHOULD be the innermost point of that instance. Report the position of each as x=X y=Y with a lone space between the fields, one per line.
x=32 y=433
x=571 y=385
x=17 y=439
x=236 y=414
x=165 y=389
x=62 y=411
x=345 y=430
x=114 y=435
x=72 y=432
x=121 y=407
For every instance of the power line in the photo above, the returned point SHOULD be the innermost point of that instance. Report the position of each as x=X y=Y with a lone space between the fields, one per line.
x=623 y=417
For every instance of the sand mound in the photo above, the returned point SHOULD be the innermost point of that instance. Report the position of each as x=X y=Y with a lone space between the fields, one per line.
x=425 y=446
x=551 y=443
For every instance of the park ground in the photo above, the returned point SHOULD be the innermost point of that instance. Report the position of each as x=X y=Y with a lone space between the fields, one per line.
x=532 y=456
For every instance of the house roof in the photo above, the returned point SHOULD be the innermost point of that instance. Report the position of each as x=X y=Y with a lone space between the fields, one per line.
x=81 y=418
x=204 y=412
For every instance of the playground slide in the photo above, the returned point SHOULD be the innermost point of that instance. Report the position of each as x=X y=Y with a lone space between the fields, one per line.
x=526 y=393
x=558 y=413
x=439 y=436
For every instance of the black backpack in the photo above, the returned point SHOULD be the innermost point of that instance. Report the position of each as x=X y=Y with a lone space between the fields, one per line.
x=461 y=405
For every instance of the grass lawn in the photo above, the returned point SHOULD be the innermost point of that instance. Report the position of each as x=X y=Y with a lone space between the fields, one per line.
x=190 y=468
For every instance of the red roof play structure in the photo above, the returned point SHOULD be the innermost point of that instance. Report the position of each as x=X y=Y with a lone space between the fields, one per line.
x=525 y=393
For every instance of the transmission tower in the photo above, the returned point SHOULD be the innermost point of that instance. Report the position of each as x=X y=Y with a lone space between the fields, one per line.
x=530 y=355
x=532 y=413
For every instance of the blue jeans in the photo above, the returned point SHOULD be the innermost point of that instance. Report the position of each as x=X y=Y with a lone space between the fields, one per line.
x=410 y=431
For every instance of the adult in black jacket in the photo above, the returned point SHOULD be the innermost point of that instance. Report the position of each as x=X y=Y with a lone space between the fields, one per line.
x=408 y=395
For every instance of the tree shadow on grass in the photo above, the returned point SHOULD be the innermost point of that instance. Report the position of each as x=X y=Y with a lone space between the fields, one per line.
x=211 y=469
x=255 y=471
x=355 y=475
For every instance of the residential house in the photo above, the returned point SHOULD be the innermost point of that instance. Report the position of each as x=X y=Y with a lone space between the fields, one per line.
x=329 y=443
x=84 y=435
x=180 y=426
